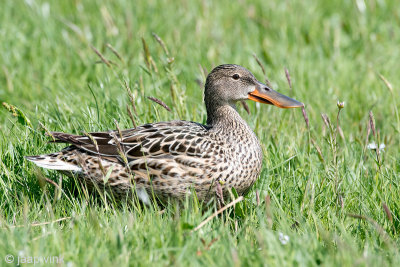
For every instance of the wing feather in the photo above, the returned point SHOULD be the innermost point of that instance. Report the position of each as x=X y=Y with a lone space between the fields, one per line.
x=150 y=140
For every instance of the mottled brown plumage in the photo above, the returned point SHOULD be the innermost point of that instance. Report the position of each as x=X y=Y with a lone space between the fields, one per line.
x=172 y=159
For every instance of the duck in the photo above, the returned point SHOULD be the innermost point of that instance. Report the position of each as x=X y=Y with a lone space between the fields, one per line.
x=173 y=159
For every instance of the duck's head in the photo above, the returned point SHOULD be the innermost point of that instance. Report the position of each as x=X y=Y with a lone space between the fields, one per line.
x=227 y=84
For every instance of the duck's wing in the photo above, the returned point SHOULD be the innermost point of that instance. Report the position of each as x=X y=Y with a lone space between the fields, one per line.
x=157 y=140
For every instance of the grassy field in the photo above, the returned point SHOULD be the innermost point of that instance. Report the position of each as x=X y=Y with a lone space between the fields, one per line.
x=325 y=197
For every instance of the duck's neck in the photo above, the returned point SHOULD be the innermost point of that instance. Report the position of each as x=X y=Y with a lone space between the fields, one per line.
x=226 y=118
x=227 y=125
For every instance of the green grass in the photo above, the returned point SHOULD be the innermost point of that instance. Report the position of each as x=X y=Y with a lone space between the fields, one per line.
x=334 y=50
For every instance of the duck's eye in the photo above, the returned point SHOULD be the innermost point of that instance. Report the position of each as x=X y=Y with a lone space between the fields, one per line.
x=236 y=76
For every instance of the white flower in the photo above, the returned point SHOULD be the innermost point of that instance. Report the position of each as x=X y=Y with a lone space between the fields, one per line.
x=283 y=238
x=374 y=146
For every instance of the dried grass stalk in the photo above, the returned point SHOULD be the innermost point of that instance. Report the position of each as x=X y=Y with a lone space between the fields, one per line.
x=245 y=106
x=262 y=69
x=115 y=52
x=102 y=58
x=158 y=101
x=303 y=109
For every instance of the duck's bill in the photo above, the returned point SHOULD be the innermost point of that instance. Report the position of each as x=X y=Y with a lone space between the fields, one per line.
x=266 y=95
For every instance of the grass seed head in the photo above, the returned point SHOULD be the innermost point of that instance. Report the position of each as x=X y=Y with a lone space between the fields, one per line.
x=387 y=212
x=372 y=122
x=303 y=109
x=326 y=120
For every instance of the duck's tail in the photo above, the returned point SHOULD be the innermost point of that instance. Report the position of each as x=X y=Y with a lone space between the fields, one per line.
x=54 y=162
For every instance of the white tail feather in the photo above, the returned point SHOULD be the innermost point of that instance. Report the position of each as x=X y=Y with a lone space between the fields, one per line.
x=56 y=164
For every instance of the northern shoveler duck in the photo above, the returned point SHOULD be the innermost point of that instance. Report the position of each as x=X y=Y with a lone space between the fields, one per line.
x=171 y=159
